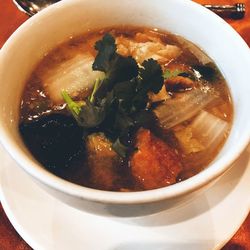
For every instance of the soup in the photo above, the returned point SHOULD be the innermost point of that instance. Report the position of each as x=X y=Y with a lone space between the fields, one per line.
x=125 y=109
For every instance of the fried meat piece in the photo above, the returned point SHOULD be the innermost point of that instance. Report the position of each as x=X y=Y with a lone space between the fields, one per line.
x=154 y=164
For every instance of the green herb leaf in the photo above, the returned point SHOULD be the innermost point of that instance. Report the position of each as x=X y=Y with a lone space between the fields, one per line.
x=75 y=108
x=106 y=50
x=149 y=79
x=91 y=115
x=120 y=148
x=116 y=67
x=96 y=86
x=171 y=74
x=123 y=69
x=151 y=76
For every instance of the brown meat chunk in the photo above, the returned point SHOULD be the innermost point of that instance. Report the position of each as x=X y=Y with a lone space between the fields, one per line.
x=162 y=95
x=179 y=82
x=154 y=164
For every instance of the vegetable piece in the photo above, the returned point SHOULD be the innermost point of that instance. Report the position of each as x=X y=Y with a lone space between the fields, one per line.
x=54 y=139
x=150 y=77
x=107 y=49
x=188 y=143
x=204 y=133
x=74 y=107
x=183 y=107
x=154 y=164
x=210 y=129
x=72 y=76
x=171 y=74
x=116 y=67
x=195 y=50
x=149 y=80
x=96 y=86
x=208 y=132
x=92 y=115
x=102 y=162
x=87 y=114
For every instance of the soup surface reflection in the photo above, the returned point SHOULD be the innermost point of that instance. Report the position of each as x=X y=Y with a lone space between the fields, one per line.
x=125 y=109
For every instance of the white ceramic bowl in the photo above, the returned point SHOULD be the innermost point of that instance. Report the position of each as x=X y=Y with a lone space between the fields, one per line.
x=68 y=18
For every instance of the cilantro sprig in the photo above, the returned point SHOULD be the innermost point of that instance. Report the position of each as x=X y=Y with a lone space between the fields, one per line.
x=118 y=104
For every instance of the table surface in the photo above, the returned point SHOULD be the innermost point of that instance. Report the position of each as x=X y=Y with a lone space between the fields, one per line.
x=10 y=19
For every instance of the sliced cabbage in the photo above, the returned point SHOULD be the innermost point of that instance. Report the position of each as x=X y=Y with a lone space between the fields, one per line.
x=188 y=143
x=73 y=76
x=209 y=129
x=208 y=132
x=179 y=109
x=195 y=50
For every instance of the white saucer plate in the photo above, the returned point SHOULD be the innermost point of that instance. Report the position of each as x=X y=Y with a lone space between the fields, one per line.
x=205 y=223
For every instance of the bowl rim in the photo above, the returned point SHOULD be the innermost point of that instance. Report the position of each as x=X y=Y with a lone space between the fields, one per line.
x=173 y=191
